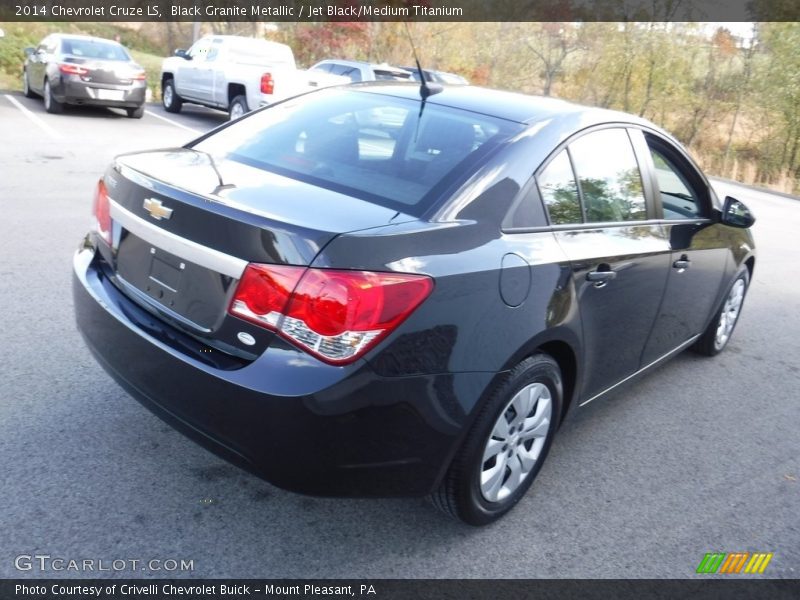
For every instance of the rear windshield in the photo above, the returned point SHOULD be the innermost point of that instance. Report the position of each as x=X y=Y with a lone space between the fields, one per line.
x=385 y=75
x=94 y=49
x=367 y=145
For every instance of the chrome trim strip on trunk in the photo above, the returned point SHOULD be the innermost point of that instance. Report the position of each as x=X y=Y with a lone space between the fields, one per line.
x=198 y=254
x=684 y=345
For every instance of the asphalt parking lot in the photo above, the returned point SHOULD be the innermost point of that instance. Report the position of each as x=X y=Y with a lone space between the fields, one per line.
x=701 y=456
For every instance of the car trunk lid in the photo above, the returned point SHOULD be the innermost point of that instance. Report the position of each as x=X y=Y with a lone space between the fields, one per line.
x=185 y=228
x=105 y=72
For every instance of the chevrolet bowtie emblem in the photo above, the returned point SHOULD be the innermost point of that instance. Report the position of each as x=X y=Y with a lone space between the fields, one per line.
x=156 y=209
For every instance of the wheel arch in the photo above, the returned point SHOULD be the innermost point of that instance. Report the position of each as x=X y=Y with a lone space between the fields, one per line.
x=236 y=89
x=750 y=263
x=563 y=345
x=567 y=361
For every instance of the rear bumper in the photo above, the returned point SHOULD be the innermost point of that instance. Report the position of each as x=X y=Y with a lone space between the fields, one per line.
x=72 y=90
x=298 y=423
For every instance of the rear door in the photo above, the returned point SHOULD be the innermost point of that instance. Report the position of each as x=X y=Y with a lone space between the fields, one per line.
x=594 y=194
x=698 y=246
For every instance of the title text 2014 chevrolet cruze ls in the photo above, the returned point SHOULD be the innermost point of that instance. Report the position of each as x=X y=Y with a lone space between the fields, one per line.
x=357 y=292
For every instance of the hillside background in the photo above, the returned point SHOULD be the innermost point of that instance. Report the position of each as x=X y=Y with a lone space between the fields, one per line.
x=734 y=100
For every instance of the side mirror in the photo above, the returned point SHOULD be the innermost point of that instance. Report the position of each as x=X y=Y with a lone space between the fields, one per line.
x=29 y=51
x=183 y=54
x=736 y=214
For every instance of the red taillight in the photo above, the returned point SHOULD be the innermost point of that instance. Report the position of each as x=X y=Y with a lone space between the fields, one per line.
x=139 y=76
x=263 y=293
x=102 y=212
x=72 y=69
x=267 y=83
x=335 y=315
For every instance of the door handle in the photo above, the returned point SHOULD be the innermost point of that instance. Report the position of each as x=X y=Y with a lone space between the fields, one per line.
x=682 y=263
x=601 y=276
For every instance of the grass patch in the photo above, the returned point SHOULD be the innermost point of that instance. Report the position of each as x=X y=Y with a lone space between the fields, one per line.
x=152 y=65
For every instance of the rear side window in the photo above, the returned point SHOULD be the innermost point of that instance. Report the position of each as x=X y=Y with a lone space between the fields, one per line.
x=367 y=145
x=560 y=192
x=609 y=177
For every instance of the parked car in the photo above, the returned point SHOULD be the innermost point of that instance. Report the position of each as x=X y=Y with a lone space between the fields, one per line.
x=358 y=71
x=437 y=76
x=347 y=303
x=235 y=74
x=78 y=69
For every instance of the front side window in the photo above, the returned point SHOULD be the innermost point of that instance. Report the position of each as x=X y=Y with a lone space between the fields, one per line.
x=371 y=146
x=677 y=196
x=609 y=177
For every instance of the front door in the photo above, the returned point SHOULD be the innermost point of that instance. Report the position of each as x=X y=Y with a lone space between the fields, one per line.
x=698 y=250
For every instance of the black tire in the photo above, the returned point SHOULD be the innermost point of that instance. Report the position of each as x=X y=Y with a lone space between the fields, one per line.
x=135 y=113
x=26 y=85
x=709 y=343
x=460 y=495
x=169 y=97
x=51 y=105
x=239 y=103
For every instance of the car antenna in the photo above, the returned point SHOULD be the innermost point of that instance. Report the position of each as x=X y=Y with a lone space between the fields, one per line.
x=425 y=89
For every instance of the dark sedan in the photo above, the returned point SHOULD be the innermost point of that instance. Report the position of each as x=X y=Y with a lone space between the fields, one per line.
x=357 y=292
x=76 y=69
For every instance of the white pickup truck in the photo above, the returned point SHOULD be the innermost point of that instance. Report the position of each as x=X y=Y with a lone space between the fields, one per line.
x=236 y=74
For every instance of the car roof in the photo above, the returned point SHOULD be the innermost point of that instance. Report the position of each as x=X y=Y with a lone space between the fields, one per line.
x=510 y=106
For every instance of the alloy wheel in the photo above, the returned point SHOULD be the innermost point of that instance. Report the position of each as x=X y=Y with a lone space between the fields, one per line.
x=729 y=314
x=516 y=441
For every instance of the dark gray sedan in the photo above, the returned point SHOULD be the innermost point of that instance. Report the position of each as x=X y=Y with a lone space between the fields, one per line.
x=77 y=69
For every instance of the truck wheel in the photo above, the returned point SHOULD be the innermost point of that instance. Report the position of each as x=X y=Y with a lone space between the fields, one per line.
x=172 y=102
x=238 y=108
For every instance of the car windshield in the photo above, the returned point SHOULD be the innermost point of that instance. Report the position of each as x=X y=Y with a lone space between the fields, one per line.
x=367 y=145
x=94 y=49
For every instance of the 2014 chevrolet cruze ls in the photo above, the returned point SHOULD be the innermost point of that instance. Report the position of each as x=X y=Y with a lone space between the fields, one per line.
x=358 y=292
